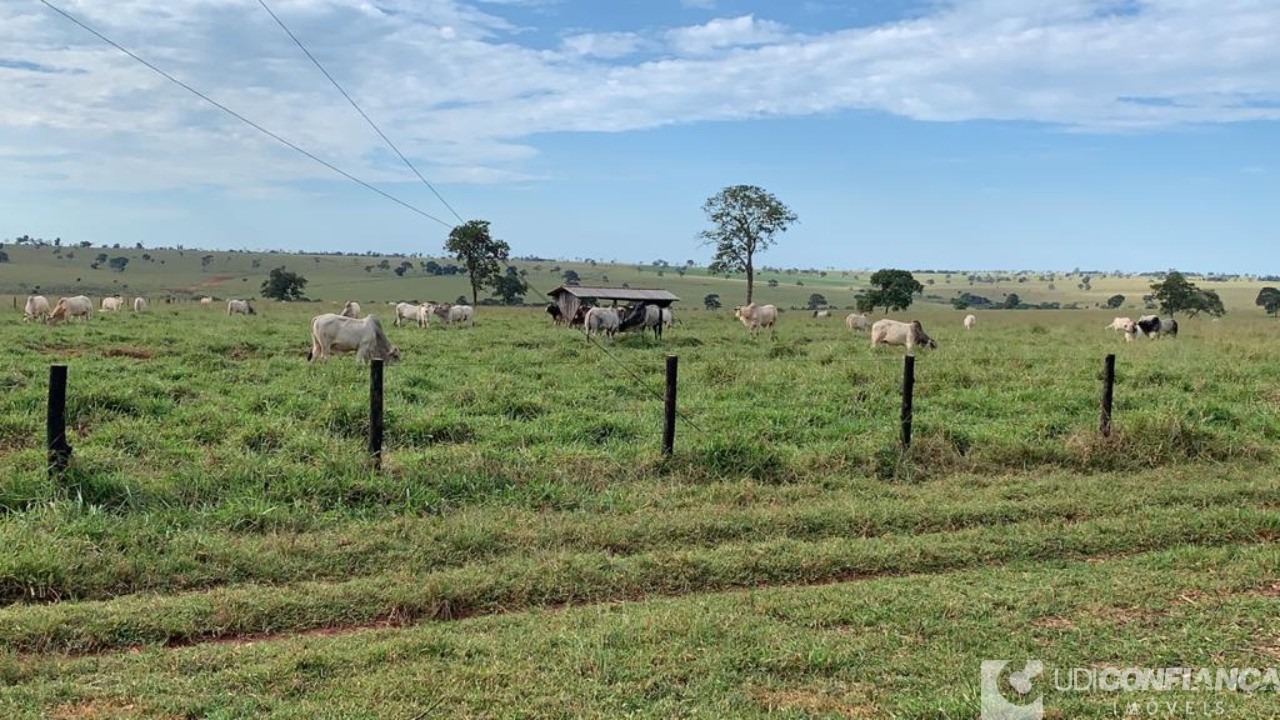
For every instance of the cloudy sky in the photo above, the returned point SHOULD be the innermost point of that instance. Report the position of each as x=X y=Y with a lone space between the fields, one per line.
x=1105 y=134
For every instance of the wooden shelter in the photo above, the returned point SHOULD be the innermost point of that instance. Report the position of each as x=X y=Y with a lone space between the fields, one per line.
x=570 y=297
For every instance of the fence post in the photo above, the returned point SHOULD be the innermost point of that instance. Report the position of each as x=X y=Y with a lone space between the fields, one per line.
x=375 y=413
x=56 y=422
x=669 y=424
x=908 y=389
x=1108 y=385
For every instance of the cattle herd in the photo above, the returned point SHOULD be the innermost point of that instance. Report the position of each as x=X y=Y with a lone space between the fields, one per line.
x=348 y=332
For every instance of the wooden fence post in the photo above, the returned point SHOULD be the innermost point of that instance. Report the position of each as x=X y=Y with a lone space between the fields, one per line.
x=669 y=424
x=908 y=389
x=56 y=423
x=375 y=413
x=1108 y=385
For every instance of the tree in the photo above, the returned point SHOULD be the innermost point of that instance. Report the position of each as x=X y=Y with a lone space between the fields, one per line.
x=571 y=277
x=511 y=287
x=1176 y=294
x=1011 y=301
x=712 y=301
x=773 y=283
x=816 y=301
x=1269 y=300
x=890 y=289
x=205 y=260
x=1115 y=301
x=747 y=219
x=118 y=263
x=282 y=284
x=483 y=256
x=4 y=256
x=101 y=258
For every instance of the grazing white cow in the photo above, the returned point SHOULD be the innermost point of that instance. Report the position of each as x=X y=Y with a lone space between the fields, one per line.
x=822 y=314
x=754 y=317
x=206 y=300
x=112 y=304
x=336 y=333
x=669 y=318
x=241 y=307
x=450 y=314
x=602 y=320
x=37 y=307
x=857 y=321
x=351 y=309
x=66 y=308
x=970 y=321
x=408 y=311
x=1152 y=326
x=139 y=304
x=893 y=332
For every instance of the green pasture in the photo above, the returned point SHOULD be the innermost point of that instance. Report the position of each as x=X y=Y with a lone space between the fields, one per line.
x=221 y=546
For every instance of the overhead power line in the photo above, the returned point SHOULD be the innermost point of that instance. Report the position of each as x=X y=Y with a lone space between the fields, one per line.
x=240 y=117
x=367 y=119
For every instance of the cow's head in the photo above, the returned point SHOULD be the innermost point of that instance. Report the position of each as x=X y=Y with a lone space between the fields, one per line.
x=393 y=355
x=921 y=338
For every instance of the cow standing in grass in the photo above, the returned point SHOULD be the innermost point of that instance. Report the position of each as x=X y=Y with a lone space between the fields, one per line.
x=1153 y=326
x=37 y=307
x=241 y=307
x=334 y=333
x=894 y=332
x=856 y=321
x=754 y=317
x=77 y=306
x=602 y=320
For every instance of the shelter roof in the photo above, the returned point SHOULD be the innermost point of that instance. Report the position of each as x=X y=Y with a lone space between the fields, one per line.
x=611 y=293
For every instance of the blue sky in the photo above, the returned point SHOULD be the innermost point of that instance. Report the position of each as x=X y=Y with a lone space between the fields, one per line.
x=970 y=134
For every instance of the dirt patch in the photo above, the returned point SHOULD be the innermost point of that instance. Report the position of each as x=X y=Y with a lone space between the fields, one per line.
x=217 y=279
x=1054 y=622
x=129 y=352
x=841 y=700
x=65 y=352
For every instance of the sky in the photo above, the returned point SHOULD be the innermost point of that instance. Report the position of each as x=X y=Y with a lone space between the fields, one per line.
x=1132 y=135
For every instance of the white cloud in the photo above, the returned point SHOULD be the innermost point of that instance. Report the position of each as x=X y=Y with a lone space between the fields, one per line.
x=725 y=33
x=454 y=86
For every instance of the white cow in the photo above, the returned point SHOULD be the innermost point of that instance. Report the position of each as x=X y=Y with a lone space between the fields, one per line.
x=450 y=314
x=240 y=306
x=336 y=333
x=894 y=332
x=824 y=314
x=754 y=317
x=669 y=318
x=351 y=309
x=37 y=307
x=408 y=311
x=970 y=321
x=139 y=304
x=206 y=300
x=602 y=320
x=71 y=307
x=1120 y=324
x=112 y=304
x=857 y=321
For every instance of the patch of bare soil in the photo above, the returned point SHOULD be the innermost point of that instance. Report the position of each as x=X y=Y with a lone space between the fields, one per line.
x=129 y=352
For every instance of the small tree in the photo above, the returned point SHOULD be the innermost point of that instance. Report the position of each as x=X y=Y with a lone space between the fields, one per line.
x=4 y=256
x=747 y=219
x=571 y=277
x=118 y=263
x=483 y=256
x=711 y=301
x=1115 y=301
x=816 y=300
x=891 y=289
x=1011 y=301
x=511 y=288
x=1174 y=294
x=282 y=284
x=1269 y=300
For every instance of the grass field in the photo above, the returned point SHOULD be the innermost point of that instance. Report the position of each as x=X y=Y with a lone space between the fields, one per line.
x=222 y=548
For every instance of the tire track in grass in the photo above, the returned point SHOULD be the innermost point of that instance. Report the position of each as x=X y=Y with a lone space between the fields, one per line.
x=557 y=579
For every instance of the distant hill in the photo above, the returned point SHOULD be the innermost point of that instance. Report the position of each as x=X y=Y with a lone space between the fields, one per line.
x=187 y=272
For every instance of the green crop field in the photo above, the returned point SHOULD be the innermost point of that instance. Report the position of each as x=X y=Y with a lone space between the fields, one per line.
x=222 y=547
